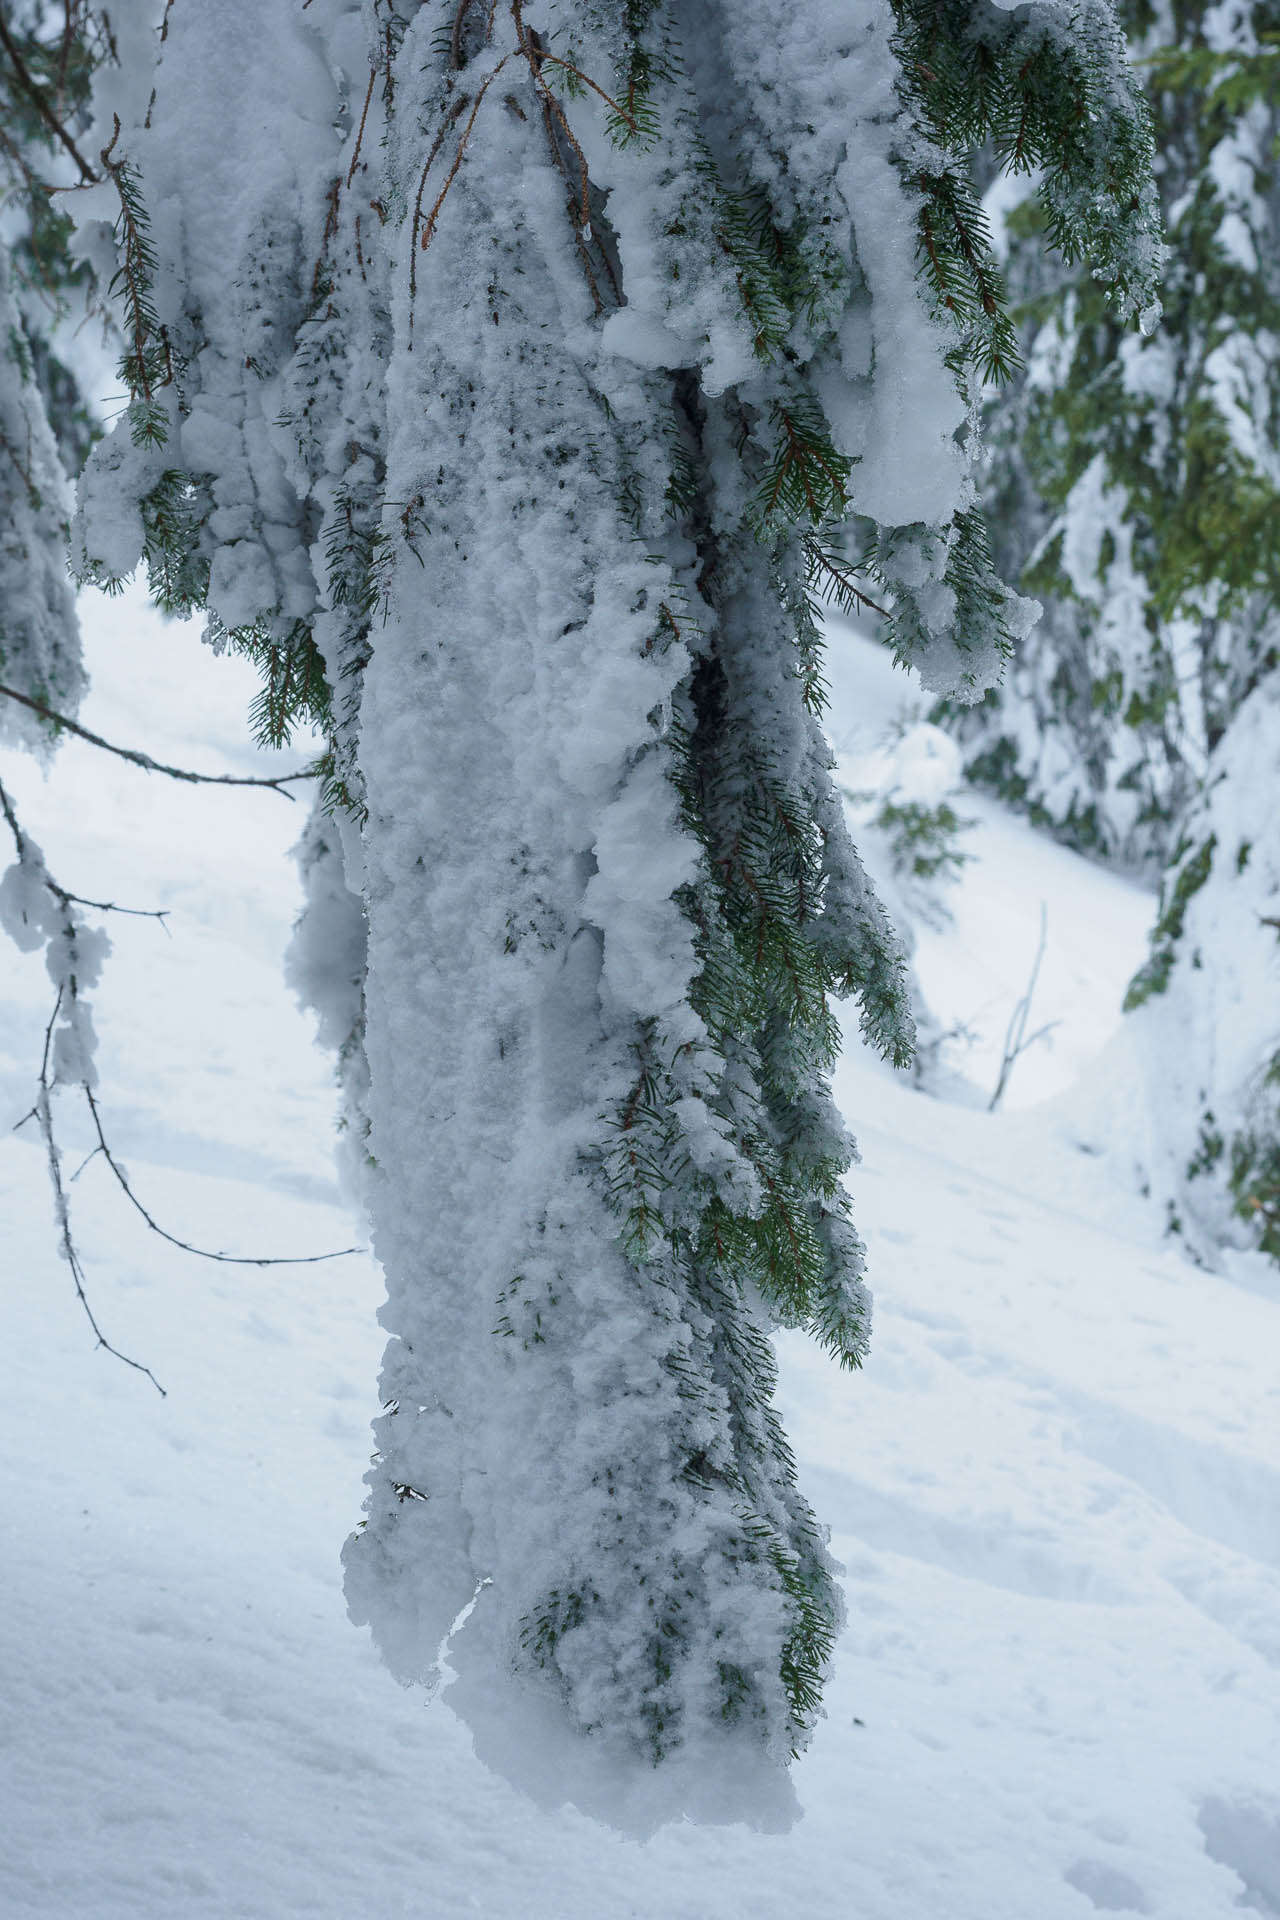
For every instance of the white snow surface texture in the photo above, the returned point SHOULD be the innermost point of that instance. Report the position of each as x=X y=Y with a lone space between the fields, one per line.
x=1054 y=1487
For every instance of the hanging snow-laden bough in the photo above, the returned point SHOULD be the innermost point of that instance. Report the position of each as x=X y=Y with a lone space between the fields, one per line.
x=533 y=363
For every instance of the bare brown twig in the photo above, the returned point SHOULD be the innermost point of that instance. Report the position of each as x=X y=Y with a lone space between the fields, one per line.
x=429 y=225
x=205 y=1253
x=622 y=112
x=364 y=115
x=42 y=1113
x=455 y=38
x=277 y=782
x=458 y=108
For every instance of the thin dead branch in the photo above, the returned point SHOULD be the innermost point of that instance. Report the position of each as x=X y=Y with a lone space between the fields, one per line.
x=1017 y=1039
x=364 y=115
x=622 y=112
x=450 y=119
x=429 y=224
x=42 y=1112
x=204 y=1253
x=36 y=95
x=277 y=782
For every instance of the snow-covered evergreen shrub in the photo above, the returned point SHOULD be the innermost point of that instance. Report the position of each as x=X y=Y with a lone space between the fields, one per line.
x=46 y=73
x=48 y=62
x=1132 y=479
x=910 y=834
x=507 y=380
x=1136 y=484
x=1203 y=1007
x=912 y=806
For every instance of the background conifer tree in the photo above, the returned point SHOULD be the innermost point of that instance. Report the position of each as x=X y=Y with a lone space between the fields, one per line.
x=1134 y=485
x=46 y=71
x=508 y=381
x=47 y=66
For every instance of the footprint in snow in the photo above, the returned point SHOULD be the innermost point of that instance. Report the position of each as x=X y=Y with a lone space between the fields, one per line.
x=1110 y=1890
x=1000 y=1556
x=1221 y=1494
x=1247 y=1840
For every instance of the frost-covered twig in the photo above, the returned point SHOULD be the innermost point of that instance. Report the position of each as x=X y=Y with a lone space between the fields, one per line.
x=1017 y=1039
x=277 y=782
x=109 y=906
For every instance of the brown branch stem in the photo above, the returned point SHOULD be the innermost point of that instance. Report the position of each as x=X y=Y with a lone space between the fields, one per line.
x=42 y=1112
x=277 y=782
x=35 y=93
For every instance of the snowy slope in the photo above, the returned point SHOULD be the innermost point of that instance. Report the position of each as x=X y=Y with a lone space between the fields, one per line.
x=1056 y=1486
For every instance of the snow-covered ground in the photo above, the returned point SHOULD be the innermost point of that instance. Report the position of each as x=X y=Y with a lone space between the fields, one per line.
x=1056 y=1486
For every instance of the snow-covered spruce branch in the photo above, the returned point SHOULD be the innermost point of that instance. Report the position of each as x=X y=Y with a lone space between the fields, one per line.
x=512 y=415
x=835 y=581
